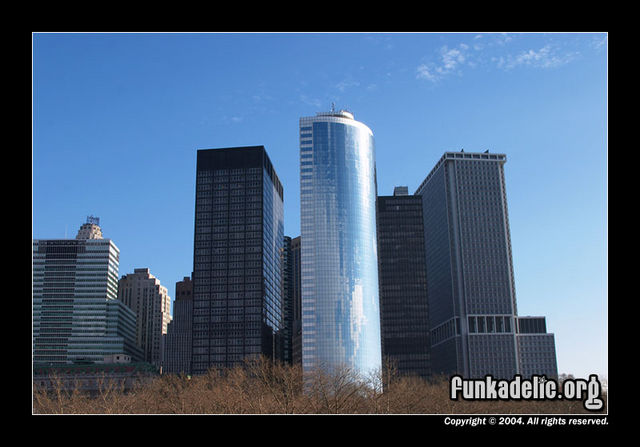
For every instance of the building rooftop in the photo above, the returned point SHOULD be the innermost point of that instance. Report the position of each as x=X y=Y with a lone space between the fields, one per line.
x=401 y=191
x=339 y=114
x=462 y=155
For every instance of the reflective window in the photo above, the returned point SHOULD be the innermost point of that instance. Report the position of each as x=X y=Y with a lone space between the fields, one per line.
x=341 y=324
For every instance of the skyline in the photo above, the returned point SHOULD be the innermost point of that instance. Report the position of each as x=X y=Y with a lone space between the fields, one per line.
x=118 y=118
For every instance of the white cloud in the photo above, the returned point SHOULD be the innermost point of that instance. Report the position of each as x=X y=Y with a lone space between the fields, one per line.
x=492 y=51
x=545 y=57
x=450 y=61
x=425 y=73
x=451 y=58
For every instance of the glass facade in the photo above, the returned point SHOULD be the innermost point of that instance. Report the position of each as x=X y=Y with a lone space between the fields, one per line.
x=403 y=284
x=238 y=240
x=287 y=299
x=76 y=316
x=296 y=334
x=339 y=272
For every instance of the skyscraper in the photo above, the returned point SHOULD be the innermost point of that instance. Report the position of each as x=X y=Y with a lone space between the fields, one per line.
x=150 y=300
x=472 y=305
x=403 y=283
x=238 y=241
x=287 y=300
x=177 y=344
x=340 y=308
x=76 y=313
x=296 y=337
x=470 y=286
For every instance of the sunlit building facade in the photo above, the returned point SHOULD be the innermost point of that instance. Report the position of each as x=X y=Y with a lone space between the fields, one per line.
x=475 y=328
x=470 y=283
x=149 y=299
x=339 y=271
x=76 y=314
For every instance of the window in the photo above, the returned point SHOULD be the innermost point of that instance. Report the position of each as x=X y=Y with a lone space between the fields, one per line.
x=472 y=324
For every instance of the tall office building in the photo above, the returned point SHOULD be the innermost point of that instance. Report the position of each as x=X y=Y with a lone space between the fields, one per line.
x=296 y=337
x=150 y=300
x=287 y=301
x=339 y=265
x=76 y=313
x=238 y=241
x=177 y=344
x=403 y=283
x=470 y=286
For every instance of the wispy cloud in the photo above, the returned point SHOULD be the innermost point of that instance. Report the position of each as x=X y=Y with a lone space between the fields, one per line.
x=449 y=61
x=599 y=41
x=492 y=51
x=545 y=57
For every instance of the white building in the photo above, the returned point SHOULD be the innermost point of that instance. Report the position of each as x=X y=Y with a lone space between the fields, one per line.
x=76 y=316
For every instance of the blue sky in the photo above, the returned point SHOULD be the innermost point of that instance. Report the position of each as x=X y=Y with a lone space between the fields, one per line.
x=117 y=120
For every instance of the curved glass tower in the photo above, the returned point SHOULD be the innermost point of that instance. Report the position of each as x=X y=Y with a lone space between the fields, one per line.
x=340 y=307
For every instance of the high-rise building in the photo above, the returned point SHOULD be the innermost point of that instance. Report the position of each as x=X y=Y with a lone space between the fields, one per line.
x=238 y=241
x=296 y=337
x=470 y=284
x=403 y=283
x=287 y=300
x=339 y=265
x=143 y=293
x=76 y=314
x=177 y=341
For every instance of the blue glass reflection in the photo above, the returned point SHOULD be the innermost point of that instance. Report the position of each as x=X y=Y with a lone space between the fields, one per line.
x=341 y=324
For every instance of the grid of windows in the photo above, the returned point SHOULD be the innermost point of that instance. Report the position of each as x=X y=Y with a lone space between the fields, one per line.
x=537 y=355
x=76 y=315
x=484 y=240
x=339 y=277
x=469 y=263
x=492 y=354
x=239 y=232
x=403 y=284
x=143 y=293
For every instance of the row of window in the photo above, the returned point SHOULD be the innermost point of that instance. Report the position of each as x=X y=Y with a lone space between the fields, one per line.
x=205 y=184
x=490 y=324
x=226 y=206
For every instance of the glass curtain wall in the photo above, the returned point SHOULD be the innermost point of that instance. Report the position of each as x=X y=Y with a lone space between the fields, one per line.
x=340 y=304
